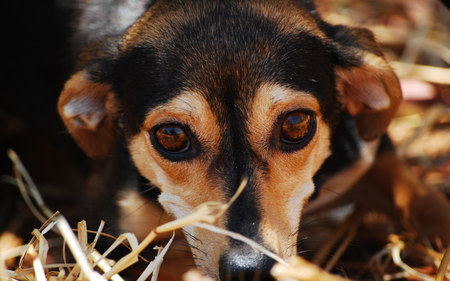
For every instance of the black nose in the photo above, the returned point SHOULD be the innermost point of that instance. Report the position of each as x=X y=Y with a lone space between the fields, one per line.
x=244 y=264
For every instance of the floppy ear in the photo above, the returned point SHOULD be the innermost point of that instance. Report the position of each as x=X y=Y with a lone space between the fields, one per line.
x=88 y=105
x=368 y=86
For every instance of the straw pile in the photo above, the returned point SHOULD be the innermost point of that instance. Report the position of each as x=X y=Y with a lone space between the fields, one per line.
x=89 y=264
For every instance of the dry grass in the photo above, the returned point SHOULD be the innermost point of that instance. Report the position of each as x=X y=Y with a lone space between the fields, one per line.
x=88 y=262
x=87 y=258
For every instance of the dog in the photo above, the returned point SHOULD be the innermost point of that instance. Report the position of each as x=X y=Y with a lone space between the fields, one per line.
x=194 y=96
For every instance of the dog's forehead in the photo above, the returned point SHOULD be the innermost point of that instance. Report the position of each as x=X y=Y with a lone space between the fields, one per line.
x=165 y=18
x=224 y=50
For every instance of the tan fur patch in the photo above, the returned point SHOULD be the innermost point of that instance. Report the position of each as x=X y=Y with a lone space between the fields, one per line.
x=185 y=184
x=288 y=184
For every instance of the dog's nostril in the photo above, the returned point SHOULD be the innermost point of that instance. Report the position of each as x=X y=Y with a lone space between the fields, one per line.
x=240 y=266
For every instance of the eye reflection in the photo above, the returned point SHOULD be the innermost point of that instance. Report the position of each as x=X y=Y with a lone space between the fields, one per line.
x=296 y=127
x=172 y=138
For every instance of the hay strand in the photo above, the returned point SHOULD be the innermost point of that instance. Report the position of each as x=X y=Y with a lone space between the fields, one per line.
x=32 y=186
x=443 y=265
x=76 y=249
x=300 y=269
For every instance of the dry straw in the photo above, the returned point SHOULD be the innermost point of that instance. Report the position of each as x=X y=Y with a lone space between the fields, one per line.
x=87 y=258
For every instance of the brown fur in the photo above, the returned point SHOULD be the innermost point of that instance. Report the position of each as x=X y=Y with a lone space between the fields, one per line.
x=96 y=137
x=371 y=93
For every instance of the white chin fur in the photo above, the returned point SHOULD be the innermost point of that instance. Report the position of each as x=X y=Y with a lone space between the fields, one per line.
x=177 y=207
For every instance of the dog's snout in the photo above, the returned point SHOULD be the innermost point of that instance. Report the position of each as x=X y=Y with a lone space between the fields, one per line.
x=244 y=264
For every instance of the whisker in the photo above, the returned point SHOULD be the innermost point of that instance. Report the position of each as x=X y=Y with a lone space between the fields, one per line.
x=181 y=241
x=303 y=239
x=182 y=251
x=152 y=187
x=313 y=239
x=305 y=251
x=203 y=252
x=185 y=243
x=313 y=221
x=342 y=196
x=188 y=235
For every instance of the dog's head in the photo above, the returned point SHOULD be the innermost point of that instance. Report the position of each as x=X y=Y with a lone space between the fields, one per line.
x=207 y=93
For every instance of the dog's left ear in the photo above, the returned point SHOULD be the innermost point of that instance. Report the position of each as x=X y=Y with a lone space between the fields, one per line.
x=88 y=104
x=368 y=86
x=87 y=109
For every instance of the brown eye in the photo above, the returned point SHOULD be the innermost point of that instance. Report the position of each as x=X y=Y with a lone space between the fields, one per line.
x=296 y=127
x=172 y=138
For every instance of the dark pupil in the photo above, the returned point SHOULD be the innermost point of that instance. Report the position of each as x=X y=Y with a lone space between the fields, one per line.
x=295 y=127
x=172 y=138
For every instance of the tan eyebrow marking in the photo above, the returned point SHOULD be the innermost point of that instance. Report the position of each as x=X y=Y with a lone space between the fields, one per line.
x=270 y=101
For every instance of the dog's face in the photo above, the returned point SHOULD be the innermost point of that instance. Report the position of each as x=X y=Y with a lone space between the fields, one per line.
x=207 y=93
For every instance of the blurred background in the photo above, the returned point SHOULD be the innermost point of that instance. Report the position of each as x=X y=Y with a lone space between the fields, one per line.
x=415 y=36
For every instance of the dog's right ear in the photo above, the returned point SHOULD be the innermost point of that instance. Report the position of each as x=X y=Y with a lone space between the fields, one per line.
x=88 y=105
x=368 y=87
